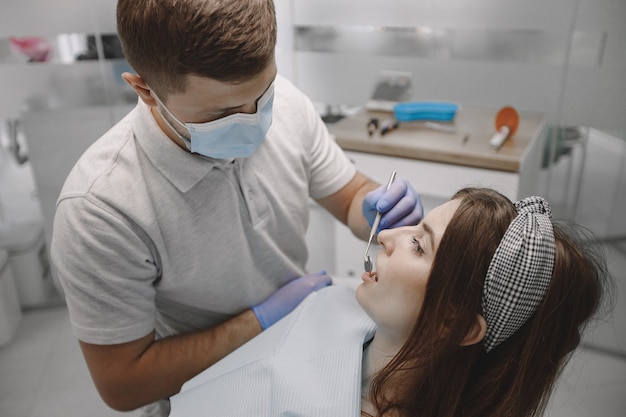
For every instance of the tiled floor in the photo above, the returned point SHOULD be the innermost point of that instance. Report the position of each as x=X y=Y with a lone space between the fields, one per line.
x=42 y=372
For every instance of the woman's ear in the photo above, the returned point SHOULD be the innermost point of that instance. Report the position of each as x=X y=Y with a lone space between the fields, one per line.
x=141 y=88
x=476 y=333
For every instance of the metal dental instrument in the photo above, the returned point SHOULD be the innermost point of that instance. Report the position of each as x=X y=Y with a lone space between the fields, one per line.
x=367 y=261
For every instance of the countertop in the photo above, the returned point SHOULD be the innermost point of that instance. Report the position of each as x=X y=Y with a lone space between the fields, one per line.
x=416 y=141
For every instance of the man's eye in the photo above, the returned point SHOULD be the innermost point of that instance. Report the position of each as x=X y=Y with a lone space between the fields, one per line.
x=215 y=114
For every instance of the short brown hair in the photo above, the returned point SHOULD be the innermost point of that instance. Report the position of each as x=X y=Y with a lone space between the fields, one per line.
x=226 y=40
x=433 y=375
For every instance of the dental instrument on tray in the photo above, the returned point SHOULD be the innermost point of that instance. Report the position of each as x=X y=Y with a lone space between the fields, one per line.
x=440 y=127
x=506 y=123
x=367 y=261
x=388 y=125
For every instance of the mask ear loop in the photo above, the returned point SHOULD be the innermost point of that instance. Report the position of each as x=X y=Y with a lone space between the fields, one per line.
x=186 y=140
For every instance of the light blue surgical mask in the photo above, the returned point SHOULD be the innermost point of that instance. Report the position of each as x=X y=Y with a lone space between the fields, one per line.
x=237 y=135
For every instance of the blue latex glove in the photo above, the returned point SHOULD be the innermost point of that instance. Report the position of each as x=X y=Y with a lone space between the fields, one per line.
x=287 y=297
x=400 y=205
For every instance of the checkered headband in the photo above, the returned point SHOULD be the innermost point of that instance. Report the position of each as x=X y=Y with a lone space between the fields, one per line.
x=520 y=271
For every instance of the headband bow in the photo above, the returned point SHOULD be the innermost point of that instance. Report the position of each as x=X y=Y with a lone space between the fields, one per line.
x=519 y=272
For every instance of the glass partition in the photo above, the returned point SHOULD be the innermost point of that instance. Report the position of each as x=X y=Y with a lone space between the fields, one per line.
x=64 y=48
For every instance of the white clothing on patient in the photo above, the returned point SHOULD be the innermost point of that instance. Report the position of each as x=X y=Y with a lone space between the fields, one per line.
x=307 y=364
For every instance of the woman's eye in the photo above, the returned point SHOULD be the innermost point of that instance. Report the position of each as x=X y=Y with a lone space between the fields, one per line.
x=417 y=246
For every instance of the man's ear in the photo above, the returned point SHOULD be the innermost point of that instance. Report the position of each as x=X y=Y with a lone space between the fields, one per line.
x=476 y=333
x=141 y=88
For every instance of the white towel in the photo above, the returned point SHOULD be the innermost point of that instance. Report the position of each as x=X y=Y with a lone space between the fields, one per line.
x=307 y=364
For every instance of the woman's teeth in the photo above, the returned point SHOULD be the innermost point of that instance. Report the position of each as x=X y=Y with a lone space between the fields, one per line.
x=375 y=276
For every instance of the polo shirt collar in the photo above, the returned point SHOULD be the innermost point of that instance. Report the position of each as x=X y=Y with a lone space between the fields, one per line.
x=181 y=168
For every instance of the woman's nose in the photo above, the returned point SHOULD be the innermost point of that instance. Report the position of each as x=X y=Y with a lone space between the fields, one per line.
x=385 y=237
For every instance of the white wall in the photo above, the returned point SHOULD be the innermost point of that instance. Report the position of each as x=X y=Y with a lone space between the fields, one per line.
x=575 y=70
x=47 y=19
x=578 y=94
x=28 y=86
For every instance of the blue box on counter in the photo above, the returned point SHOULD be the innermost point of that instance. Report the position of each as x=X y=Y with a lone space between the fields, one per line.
x=425 y=110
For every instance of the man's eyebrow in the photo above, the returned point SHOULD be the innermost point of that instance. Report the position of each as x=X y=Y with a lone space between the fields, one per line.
x=431 y=235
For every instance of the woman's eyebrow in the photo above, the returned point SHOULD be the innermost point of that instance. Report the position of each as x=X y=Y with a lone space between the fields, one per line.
x=431 y=235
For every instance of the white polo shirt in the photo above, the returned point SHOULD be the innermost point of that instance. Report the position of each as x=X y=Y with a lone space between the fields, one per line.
x=148 y=236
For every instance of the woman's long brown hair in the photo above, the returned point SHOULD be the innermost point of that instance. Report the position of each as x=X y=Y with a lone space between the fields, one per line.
x=434 y=376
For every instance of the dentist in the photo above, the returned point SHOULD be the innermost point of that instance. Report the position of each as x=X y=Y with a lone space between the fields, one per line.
x=179 y=234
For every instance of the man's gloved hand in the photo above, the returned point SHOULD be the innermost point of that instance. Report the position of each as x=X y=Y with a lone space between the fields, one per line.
x=287 y=297
x=400 y=205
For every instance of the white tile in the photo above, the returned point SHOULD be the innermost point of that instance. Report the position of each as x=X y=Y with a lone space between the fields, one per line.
x=606 y=401
x=66 y=389
x=565 y=403
x=22 y=362
x=610 y=332
x=601 y=183
x=597 y=382
x=42 y=372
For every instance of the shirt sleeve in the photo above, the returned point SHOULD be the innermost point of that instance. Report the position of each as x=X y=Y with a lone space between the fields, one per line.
x=106 y=270
x=330 y=168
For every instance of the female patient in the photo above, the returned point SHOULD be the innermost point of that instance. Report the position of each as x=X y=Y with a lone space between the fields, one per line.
x=501 y=296
x=476 y=309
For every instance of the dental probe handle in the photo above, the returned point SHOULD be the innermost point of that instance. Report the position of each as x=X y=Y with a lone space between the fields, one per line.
x=367 y=261
x=375 y=225
x=379 y=215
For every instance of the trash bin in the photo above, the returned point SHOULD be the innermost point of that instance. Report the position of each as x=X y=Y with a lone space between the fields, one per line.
x=10 y=312
x=29 y=263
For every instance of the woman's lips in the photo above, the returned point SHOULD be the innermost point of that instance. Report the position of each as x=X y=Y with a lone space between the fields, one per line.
x=370 y=276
